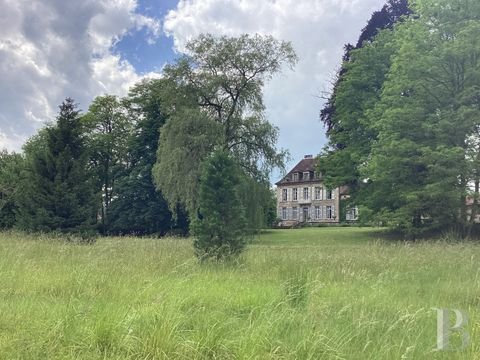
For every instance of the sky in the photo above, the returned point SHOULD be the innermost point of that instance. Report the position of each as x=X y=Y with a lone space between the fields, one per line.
x=53 y=49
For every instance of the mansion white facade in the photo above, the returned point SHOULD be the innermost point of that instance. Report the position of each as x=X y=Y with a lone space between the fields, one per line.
x=303 y=198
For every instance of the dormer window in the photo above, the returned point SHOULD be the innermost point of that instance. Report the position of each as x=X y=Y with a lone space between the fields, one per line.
x=306 y=176
x=295 y=176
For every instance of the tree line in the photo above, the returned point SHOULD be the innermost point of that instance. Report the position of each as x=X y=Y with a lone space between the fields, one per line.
x=403 y=120
x=157 y=160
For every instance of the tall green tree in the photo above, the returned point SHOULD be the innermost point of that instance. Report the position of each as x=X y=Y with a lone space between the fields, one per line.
x=410 y=140
x=357 y=89
x=352 y=131
x=10 y=168
x=427 y=115
x=219 y=225
x=215 y=102
x=138 y=207
x=109 y=127
x=56 y=192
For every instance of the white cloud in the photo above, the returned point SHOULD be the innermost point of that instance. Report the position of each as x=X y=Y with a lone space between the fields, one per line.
x=51 y=49
x=318 y=29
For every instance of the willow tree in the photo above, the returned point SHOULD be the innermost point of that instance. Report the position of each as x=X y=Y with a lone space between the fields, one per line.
x=213 y=100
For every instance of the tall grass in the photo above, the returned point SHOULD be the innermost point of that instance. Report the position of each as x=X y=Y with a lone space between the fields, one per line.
x=327 y=293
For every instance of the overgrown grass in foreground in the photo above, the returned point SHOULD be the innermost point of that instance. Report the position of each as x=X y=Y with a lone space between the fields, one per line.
x=319 y=293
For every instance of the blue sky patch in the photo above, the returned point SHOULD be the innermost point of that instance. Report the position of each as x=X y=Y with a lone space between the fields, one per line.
x=136 y=48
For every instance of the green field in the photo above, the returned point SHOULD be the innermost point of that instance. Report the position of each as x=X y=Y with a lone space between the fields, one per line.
x=316 y=293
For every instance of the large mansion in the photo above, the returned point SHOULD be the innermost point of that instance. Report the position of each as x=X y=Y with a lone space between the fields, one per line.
x=302 y=197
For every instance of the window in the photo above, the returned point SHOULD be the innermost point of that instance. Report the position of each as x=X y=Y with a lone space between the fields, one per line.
x=306 y=175
x=295 y=213
x=318 y=193
x=318 y=212
x=284 y=213
x=295 y=194
x=351 y=214
x=285 y=194
x=329 y=195
x=295 y=176
x=329 y=212
x=305 y=193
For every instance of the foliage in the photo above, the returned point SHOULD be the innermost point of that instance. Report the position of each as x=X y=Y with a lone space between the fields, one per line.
x=108 y=128
x=418 y=156
x=219 y=228
x=55 y=191
x=259 y=203
x=185 y=141
x=214 y=100
x=392 y=12
x=429 y=91
x=357 y=89
x=138 y=208
x=10 y=167
x=350 y=139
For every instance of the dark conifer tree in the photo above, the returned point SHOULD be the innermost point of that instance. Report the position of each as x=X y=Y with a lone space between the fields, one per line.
x=56 y=191
x=219 y=228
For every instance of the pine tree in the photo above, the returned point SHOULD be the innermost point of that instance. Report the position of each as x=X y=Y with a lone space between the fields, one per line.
x=56 y=191
x=219 y=228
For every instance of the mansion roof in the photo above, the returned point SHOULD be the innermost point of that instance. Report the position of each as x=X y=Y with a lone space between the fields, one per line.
x=296 y=175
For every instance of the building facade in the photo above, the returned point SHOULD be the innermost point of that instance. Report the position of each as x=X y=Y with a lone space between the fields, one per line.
x=303 y=198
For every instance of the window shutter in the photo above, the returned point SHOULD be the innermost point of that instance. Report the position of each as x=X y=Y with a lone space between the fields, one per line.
x=333 y=211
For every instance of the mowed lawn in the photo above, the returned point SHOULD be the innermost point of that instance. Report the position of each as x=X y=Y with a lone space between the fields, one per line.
x=316 y=293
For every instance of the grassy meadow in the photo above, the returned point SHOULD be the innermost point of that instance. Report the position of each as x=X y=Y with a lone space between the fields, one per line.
x=314 y=293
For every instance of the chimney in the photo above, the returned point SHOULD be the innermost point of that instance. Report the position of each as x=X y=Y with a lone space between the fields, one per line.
x=308 y=157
